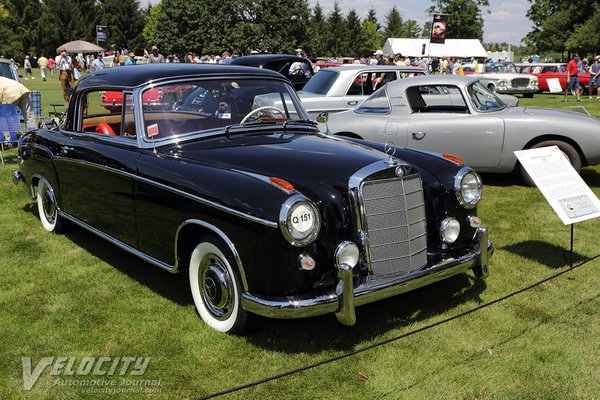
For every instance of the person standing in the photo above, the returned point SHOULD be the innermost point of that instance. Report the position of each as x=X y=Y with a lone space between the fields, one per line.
x=27 y=66
x=572 y=79
x=595 y=77
x=98 y=63
x=51 y=66
x=155 y=57
x=64 y=65
x=43 y=64
x=14 y=92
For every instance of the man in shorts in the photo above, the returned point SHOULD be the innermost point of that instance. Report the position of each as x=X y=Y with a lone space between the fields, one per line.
x=572 y=80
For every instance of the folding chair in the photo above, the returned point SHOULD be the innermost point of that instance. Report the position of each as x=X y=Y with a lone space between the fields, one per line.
x=9 y=126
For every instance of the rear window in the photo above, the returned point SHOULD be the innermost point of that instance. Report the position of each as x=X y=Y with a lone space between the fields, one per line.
x=7 y=71
x=321 y=82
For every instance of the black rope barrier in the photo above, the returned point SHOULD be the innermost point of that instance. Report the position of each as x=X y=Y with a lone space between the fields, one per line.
x=395 y=338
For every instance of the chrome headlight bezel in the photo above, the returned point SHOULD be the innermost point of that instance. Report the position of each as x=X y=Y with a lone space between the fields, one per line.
x=289 y=228
x=467 y=176
x=450 y=230
x=346 y=253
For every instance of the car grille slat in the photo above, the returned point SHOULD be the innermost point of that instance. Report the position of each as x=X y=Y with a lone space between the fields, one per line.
x=520 y=82
x=395 y=225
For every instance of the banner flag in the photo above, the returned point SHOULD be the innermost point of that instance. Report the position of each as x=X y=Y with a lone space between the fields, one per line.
x=438 y=28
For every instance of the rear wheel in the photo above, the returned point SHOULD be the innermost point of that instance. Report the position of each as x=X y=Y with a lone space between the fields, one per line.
x=48 y=207
x=568 y=150
x=216 y=287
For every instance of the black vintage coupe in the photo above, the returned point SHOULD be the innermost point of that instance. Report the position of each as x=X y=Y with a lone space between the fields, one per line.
x=222 y=175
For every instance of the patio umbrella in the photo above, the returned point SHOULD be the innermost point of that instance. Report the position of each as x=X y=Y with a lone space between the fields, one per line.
x=81 y=46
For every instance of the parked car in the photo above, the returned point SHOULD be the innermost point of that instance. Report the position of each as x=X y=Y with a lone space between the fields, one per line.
x=336 y=89
x=298 y=70
x=237 y=188
x=459 y=115
x=545 y=71
x=504 y=78
x=9 y=69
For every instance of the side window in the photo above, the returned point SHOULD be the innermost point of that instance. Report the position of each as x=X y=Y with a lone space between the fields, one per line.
x=102 y=112
x=377 y=103
x=361 y=85
x=439 y=99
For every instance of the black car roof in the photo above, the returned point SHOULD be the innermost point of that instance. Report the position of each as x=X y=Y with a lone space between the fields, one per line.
x=136 y=75
x=258 y=60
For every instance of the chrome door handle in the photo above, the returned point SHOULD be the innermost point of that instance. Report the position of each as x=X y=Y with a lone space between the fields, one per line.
x=65 y=149
x=352 y=103
x=418 y=135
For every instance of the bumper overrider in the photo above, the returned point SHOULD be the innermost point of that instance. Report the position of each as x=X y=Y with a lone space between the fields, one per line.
x=347 y=297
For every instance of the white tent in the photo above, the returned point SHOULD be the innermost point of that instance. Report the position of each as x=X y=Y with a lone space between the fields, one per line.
x=465 y=48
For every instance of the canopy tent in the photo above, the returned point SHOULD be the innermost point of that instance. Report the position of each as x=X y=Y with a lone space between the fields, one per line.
x=464 y=48
x=81 y=46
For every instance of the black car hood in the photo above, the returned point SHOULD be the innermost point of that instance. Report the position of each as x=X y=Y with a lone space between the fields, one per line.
x=297 y=158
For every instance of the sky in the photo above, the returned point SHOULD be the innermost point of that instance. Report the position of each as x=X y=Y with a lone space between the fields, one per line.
x=506 y=21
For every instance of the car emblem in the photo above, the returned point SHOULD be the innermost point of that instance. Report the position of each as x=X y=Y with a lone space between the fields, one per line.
x=390 y=150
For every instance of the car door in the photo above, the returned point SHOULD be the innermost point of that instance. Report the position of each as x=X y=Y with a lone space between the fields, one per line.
x=445 y=124
x=364 y=83
x=97 y=167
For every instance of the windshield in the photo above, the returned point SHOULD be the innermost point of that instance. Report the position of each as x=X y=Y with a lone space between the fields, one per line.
x=185 y=107
x=483 y=99
x=321 y=82
x=502 y=68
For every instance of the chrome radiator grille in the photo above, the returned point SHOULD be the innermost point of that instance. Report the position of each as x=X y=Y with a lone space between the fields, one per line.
x=395 y=225
x=520 y=82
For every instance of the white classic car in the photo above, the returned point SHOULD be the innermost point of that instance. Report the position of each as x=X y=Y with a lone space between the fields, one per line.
x=504 y=78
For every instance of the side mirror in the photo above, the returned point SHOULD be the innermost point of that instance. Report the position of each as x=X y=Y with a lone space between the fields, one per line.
x=323 y=117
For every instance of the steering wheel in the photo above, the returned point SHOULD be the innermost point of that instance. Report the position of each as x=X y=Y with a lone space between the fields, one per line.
x=259 y=110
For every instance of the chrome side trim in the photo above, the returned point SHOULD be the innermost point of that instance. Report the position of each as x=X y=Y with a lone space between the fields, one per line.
x=223 y=236
x=117 y=242
x=337 y=302
x=190 y=196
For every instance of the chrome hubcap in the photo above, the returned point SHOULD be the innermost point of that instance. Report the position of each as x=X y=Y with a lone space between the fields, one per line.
x=49 y=204
x=217 y=287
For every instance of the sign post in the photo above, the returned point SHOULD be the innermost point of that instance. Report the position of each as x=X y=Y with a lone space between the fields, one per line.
x=566 y=192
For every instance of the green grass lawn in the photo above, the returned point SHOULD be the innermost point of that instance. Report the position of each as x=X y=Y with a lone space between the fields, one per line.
x=75 y=295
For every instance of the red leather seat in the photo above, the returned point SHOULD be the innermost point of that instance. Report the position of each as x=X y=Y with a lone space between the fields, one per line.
x=105 y=129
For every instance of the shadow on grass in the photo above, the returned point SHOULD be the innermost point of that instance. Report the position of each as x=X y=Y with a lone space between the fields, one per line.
x=544 y=253
x=310 y=335
x=589 y=175
x=316 y=334
x=10 y=159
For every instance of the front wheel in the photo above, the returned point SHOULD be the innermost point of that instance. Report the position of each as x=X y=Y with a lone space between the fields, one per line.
x=48 y=207
x=568 y=150
x=216 y=288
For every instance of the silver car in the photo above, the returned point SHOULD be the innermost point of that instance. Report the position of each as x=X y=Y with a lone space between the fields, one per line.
x=336 y=89
x=461 y=116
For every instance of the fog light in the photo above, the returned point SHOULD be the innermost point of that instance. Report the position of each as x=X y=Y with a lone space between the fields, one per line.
x=346 y=253
x=449 y=230
x=306 y=262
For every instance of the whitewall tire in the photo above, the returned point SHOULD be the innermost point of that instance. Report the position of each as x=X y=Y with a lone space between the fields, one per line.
x=48 y=207
x=216 y=288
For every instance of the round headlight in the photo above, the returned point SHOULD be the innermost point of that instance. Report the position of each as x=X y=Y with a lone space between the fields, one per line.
x=299 y=221
x=449 y=230
x=468 y=187
x=346 y=253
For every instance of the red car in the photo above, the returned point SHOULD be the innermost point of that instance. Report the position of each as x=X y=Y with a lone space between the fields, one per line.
x=545 y=71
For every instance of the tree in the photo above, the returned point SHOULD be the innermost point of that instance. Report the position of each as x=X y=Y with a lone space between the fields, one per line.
x=372 y=17
x=354 y=33
x=393 y=24
x=371 y=38
x=336 y=32
x=410 y=29
x=125 y=23
x=317 y=31
x=555 y=23
x=464 y=17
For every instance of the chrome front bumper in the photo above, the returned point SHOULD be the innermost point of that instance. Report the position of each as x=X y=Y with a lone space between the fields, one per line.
x=346 y=298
